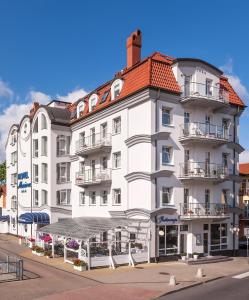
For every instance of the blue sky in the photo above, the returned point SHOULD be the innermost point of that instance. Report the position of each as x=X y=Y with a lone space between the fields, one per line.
x=52 y=49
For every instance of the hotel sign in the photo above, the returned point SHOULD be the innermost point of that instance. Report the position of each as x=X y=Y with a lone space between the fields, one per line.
x=167 y=219
x=23 y=180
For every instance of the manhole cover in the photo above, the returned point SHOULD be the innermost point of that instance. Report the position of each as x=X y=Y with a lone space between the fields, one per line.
x=163 y=273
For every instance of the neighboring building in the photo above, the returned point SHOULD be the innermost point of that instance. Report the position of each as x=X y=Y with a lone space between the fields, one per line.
x=244 y=197
x=158 y=142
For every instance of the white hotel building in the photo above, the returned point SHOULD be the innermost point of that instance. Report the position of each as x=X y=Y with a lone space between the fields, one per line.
x=157 y=143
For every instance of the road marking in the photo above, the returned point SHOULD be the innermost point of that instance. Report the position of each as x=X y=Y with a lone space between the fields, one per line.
x=241 y=276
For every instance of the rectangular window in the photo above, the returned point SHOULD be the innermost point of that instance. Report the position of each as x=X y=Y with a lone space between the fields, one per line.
x=92 y=198
x=103 y=130
x=63 y=145
x=92 y=136
x=116 y=125
x=44 y=146
x=166 y=116
x=166 y=196
x=44 y=173
x=166 y=155
x=82 y=141
x=116 y=90
x=116 y=160
x=64 y=197
x=44 y=194
x=224 y=197
x=186 y=197
x=104 y=162
x=13 y=157
x=35 y=148
x=14 y=179
x=35 y=173
x=209 y=91
x=218 y=236
x=82 y=198
x=117 y=197
x=35 y=197
x=82 y=168
x=183 y=227
x=63 y=172
x=104 y=198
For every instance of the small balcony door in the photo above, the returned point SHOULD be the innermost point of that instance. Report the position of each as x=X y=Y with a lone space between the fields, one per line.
x=207 y=164
x=93 y=136
x=93 y=169
x=187 y=82
x=207 y=201
x=186 y=162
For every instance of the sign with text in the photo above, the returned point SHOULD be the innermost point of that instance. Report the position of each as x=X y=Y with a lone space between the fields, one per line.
x=167 y=219
x=24 y=180
x=246 y=232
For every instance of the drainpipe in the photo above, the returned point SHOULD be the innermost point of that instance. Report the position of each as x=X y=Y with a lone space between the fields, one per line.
x=17 y=210
x=31 y=174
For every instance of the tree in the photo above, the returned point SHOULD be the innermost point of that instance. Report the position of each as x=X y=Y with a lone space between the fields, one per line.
x=3 y=171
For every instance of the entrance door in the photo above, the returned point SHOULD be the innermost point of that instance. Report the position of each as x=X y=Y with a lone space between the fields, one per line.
x=205 y=243
x=168 y=240
x=183 y=243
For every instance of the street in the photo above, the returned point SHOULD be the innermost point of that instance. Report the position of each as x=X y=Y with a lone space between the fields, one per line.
x=227 y=288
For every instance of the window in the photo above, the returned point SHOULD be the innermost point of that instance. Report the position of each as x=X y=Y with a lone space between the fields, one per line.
x=104 y=162
x=13 y=137
x=13 y=202
x=132 y=237
x=63 y=145
x=224 y=196
x=104 y=97
x=104 y=236
x=184 y=227
x=166 y=196
x=205 y=227
x=186 y=198
x=92 y=102
x=92 y=198
x=82 y=198
x=43 y=122
x=44 y=146
x=82 y=167
x=63 y=172
x=116 y=88
x=35 y=197
x=93 y=136
x=103 y=131
x=44 y=197
x=14 y=179
x=166 y=155
x=35 y=148
x=13 y=157
x=117 y=197
x=64 y=197
x=104 y=198
x=116 y=125
x=82 y=141
x=35 y=173
x=207 y=200
x=80 y=108
x=209 y=91
x=44 y=173
x=186 y=117
x=116 y=160
x=166 y=116
x=218 y=236
x=35 y=129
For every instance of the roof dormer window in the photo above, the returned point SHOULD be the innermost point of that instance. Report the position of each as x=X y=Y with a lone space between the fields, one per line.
x=92 y=102
x=116 y=88
x=80 y=108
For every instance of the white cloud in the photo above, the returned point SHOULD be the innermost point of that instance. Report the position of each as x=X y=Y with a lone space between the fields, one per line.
x=72 y=96
x=244 y=157
x=5 y=90
x=35 y=96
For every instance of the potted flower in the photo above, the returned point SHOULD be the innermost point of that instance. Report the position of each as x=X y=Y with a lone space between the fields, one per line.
x=183 y=256
x=39 y=251
x=34 y=249
x=195 y=255
x=72 y=244
x=31 y=242
x=79 y=265
x=48 y=254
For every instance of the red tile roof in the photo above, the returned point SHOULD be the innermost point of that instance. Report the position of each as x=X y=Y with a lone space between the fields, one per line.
x=154 y=71
x=244 y=169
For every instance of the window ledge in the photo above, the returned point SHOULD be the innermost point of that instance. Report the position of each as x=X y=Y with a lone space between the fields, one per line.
x=168 y=125
x=116 y=133
x=116 y=168
x=168 y=164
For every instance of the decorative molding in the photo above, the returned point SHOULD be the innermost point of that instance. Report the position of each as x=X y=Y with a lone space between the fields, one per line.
x=161 y=173
x=63 y=210
x=238 y=148
x=73 y=158
x=148 y=176
x=146 y=138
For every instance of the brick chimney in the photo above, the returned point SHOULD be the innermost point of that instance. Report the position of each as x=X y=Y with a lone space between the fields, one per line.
x=34 y=109
x=133 y=46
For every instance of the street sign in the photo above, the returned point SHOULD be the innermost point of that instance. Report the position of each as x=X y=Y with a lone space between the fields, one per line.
x=246 y=232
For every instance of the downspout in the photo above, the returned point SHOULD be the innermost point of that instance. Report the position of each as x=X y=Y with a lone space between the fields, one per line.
x=31 y=174
x=17 y=211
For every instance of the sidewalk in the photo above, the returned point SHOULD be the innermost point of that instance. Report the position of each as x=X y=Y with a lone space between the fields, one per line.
x=145 y=281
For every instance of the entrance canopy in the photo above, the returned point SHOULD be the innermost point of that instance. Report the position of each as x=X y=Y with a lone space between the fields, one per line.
x=4 y=218
x=83 y=228
x=34 y=217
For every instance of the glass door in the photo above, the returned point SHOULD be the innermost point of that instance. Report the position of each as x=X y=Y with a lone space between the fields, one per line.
x=205 y=243
x=168 y=240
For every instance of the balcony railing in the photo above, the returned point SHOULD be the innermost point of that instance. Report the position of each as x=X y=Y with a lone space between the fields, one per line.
x=244 y=192
x=246 y=211
x=191 y=170
x=204 y=130
x=200 y=210
x=204 y=91
x=93 y=176
x=93 y=143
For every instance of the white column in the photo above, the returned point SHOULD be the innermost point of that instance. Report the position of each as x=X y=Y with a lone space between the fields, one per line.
x=52 y=246
x=88 y=255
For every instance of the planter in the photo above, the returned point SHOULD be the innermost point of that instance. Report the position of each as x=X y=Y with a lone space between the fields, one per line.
x=39 y=253
x=31 y=244
x=33 y=252
x=184 y=258
x=195 y=256
x=20 y=241
x=79 y=268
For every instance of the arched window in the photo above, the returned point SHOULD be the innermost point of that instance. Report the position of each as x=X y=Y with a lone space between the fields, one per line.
x=80 y=108
x=35 y=129
x=13 y=137
x=92 y=102
x=116 y=88
x=43 y=122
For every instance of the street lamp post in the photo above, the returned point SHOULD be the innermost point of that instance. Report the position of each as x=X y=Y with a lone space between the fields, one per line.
x=234 y=229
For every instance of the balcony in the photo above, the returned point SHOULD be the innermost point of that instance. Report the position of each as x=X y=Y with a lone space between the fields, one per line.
x=93 y=177
x=195 y=93
x=203 y=171
x=203 y=133
x=93 y=144
x=191 y=211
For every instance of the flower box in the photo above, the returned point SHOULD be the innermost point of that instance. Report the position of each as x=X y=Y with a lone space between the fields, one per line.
x=33 y=252
x=31 y=244
x=40 y=253
x=195 y=256
x=79 y=268
x=184 y=258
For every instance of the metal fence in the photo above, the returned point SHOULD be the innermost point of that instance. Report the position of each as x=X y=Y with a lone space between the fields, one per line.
x=11 y=268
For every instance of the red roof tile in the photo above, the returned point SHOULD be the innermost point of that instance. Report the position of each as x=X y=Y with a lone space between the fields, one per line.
x=244 y=169
x=233 y=96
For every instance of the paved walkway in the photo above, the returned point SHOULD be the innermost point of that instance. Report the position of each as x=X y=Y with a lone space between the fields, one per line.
x=145 y=281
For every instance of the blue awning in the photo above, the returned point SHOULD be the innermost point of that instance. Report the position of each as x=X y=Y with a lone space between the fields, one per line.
x=4 y=218
x=34 y=217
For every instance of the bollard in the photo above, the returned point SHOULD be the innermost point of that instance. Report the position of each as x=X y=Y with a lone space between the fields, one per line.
x=199 y=273
x=172 y=280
